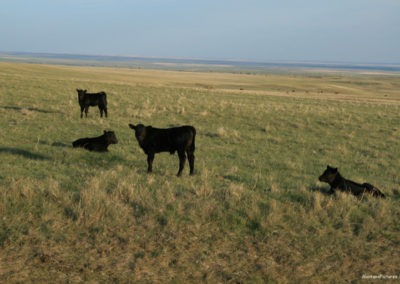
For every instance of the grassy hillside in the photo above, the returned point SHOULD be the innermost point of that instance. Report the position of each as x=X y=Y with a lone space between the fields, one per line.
x=253 y=212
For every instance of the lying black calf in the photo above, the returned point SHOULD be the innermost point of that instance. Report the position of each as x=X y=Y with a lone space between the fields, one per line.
x=336 y=181
x=98 y=144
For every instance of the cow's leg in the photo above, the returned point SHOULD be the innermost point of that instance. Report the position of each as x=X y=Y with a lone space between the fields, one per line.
x=89 y=146
x=182 y=158
x=105 y=112
x=150 y=158
x=82 y=109
x=86 y=110
x=377 y=193
x=372 y=189
x=191 y=161
x=101 y=112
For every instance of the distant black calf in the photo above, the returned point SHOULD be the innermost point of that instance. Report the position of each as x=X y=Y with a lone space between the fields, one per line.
x=336 y=181
x=99 y=144
x=92 y=99
x=155 y=140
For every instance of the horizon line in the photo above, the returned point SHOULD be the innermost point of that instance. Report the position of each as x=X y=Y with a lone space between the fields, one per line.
x=231 y=60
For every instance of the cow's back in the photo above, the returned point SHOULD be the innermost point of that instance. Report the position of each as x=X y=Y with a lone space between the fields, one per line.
x=169 y=139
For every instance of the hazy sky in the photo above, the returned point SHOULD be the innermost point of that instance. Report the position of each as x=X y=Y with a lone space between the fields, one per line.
x=264 y=30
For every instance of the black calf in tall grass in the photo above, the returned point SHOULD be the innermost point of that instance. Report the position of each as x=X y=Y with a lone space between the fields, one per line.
x=92 y=99
x=336 y=181
x=98 y=144
x=176 y=139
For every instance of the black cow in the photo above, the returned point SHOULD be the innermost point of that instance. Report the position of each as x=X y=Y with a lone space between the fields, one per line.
x=98 y=144
x=92 y=99
x=155 y=140
x=336 y=181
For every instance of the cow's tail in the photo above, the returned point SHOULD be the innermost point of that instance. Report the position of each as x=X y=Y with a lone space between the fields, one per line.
x=193 y=147
x=105 y=99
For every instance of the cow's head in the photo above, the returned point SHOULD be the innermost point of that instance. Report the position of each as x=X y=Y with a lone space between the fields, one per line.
x=81 y=93
x=329 y=174
x=140 y=131
x=110 y=137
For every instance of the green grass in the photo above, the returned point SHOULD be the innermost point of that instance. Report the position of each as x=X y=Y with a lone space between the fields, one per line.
x=253 y=212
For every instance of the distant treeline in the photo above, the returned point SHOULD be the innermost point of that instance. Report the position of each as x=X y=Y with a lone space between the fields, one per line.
x=188 y=63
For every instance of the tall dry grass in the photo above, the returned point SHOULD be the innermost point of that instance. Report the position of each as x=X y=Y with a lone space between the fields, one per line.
x=253 y=212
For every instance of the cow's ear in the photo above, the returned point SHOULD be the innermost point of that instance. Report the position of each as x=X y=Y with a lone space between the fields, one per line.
x=132 y=126
x=332 y=169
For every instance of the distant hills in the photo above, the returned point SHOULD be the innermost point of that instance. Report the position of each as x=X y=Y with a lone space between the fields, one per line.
x=187 y=64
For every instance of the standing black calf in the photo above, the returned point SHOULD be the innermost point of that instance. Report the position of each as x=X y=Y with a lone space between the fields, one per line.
x=155 y=140
x=336 y=181
x=98 y=144
x=92 y=99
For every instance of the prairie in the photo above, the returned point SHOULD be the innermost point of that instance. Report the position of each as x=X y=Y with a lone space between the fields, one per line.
x=253 y=212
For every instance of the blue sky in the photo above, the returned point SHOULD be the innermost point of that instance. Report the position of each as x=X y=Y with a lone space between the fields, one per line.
x=359 y=31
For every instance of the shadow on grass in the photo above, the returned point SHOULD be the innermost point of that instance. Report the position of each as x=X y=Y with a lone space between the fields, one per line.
x=28 y=108
x=56 y=144
x=23 y=153
x=100 y=160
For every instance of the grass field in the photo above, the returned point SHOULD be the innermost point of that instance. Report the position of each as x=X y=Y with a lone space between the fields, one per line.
x=254 y=211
